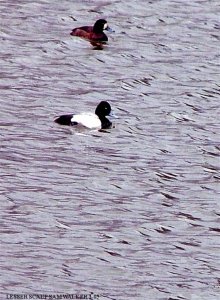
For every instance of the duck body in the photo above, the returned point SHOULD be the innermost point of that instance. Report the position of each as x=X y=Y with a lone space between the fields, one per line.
x=89 y=120
x=93 y=33
x=86 y=32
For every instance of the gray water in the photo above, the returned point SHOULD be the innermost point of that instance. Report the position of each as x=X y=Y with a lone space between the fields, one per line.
x=131 y=213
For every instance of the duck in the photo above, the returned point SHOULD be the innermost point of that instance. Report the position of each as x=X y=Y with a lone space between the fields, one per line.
x=89 y=120
x=93 y=33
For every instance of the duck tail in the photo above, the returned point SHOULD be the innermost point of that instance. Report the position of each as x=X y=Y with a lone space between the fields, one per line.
x=73 y=32
x=64 y=120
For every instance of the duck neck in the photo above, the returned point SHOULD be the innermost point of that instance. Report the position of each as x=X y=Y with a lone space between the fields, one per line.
x=105 y=122
x=97 y=29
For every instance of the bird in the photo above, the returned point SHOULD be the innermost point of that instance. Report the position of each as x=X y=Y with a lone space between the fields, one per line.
x=89 y=120
x=94 y=33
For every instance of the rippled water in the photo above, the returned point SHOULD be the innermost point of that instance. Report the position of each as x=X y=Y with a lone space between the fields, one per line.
x=131 y=213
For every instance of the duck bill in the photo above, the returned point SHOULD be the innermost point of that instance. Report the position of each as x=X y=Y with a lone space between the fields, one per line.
x=109 y=29
x=112 y=115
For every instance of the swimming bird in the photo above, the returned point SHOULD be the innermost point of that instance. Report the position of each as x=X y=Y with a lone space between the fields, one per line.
x=93 y=33
x=95 y=120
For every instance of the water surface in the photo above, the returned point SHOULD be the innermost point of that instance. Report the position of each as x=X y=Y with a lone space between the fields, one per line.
x=132 y=213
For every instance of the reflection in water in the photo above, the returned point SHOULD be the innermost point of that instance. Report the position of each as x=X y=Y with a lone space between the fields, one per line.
x=129 y=213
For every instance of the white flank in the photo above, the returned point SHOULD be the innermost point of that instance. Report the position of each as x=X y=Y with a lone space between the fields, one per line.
x=88 y=120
